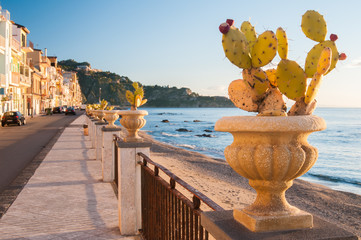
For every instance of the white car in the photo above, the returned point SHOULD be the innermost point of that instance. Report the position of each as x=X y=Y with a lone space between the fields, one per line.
x=83 y=107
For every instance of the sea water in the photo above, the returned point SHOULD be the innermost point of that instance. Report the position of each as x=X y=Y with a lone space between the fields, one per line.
x=339 y=162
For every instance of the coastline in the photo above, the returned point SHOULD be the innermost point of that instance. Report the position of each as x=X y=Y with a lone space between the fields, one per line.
x=217 y=180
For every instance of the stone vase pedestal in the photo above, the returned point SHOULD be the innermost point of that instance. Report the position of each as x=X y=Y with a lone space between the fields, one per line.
x=133 y=121
x=271 y=152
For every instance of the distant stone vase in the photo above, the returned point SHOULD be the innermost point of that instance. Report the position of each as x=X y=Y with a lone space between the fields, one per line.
x=101 y=115
x=94 y=114
x=111 y=117
x=271 y=152
x=133 y=121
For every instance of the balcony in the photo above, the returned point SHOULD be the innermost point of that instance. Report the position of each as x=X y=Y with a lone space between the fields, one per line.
x=28 y=48
x=15 y=44
x=25 y=81
x=15 y=79
x=2 y=80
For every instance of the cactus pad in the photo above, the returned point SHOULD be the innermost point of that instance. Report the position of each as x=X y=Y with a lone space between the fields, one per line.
x=264 y=50
x=291 y=79
x=271 y=75
x=273 y=104
x=324 y=62
x=250 y=33
x=313 y=88
x=243 y=96
x=314 y=55
x=130 y=96
x=314 y=26
x=282 y=47
x=257 y=79
x=301 y=108
x=235 y=46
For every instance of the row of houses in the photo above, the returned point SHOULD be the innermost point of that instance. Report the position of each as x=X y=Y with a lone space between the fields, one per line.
x=30 y=80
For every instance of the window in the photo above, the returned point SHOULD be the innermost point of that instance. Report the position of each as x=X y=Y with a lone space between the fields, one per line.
x=23 y=40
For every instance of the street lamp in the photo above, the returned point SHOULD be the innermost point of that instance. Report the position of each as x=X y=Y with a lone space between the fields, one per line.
x=100 y=93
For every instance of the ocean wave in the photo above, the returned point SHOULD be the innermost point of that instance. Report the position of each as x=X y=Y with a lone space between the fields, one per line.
x=186 y=146
x=170 y=134
x=335 y=179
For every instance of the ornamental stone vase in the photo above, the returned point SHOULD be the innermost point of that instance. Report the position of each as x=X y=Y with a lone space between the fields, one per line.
x=94 y=114
x=101 y=115
x=133 y=121
x=271 y=152
x=111 y=117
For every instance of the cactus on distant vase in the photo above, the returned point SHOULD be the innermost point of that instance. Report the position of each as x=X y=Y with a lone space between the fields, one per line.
x=135 y=98
x=103 y=104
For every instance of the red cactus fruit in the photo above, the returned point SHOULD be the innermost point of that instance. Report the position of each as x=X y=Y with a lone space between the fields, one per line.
x=230 y=22
x=342 y=56
x=333 y=37
x=224 y=28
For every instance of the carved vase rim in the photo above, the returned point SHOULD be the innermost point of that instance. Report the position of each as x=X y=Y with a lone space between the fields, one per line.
x=306 y=123
x=133 y=112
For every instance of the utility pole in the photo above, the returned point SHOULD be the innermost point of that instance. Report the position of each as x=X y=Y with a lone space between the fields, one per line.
x=100 y=93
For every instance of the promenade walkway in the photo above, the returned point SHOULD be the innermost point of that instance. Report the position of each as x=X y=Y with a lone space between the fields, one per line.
x=65 y=198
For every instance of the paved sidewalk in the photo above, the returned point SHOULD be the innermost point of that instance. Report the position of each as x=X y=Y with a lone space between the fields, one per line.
x=65 y=198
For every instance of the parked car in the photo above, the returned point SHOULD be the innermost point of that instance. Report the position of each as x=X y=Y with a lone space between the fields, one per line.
x=83 y=107
x=70 y=110
x=57 y=110
x=13 y=117
x=64 y=108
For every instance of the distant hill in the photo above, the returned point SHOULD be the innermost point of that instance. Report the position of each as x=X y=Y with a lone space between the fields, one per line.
x=114 y=86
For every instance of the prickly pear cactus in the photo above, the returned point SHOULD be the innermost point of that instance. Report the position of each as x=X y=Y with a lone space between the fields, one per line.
x=324 y=62
x=271 y=75
x=250 y=33
x=264 y=50
x=236 y=48
x=263 y=91
x=315 y=53
x=135 y=99
x=313 y=88
x=103 y=104
x=314 y=26
x=291 y=79
x=243 y=96
x=257 y=79
x=323 y=65
x=273 y=104
x=282 y=47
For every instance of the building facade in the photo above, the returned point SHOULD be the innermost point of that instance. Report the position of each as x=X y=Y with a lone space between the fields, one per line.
x=30 y=81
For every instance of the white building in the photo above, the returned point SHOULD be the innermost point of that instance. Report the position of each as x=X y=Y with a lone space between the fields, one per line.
x=5 y=60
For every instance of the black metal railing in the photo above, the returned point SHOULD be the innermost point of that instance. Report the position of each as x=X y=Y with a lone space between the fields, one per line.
x=166 y=212
x=115 y=147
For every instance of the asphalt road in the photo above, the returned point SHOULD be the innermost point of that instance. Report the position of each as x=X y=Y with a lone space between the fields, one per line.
x=20 y=144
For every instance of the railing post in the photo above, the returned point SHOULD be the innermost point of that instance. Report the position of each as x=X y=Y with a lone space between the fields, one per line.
x=93 y=132
x=99 y=140
x=107 y=153
x=129 y=186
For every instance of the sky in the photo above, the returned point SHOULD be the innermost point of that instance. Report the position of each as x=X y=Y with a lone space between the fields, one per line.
x=177 y=43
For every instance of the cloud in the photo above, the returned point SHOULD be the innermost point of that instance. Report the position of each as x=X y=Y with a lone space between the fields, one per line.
x=356 y=63
x=220 y=90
